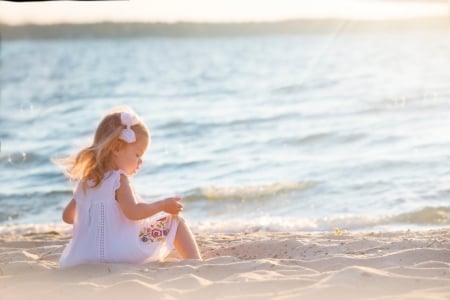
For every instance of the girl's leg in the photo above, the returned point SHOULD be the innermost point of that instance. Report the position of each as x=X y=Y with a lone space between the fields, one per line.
x=185 y=242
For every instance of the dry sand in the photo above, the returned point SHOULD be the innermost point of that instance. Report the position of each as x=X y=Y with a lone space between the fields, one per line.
x=336 y=265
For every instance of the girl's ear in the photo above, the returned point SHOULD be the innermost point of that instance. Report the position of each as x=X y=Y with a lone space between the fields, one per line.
x=116 y=147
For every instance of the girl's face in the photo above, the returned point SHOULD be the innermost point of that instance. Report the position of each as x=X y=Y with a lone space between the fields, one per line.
x=129 y=157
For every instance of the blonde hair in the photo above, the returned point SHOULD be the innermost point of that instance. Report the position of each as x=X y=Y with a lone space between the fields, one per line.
x=92 y=162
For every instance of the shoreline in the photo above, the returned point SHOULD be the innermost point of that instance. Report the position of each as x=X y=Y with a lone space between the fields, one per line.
x=257 y=265
x=119 y=30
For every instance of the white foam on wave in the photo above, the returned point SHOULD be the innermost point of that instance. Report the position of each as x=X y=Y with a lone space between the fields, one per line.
x=415 y=220
x=247 y=192
x=284 y=224
x=426 y=218
x=24 y=229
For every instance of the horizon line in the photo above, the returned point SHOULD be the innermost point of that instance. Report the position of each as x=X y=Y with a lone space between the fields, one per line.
x=239 y=22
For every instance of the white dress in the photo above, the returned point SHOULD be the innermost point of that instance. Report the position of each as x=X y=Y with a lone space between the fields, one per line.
x=103 y=234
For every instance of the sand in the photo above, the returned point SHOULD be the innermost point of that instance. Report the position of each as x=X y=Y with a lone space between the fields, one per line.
x=258 y=265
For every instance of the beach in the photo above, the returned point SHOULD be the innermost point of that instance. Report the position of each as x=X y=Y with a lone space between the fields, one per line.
x=312 y=164
x=253 y=265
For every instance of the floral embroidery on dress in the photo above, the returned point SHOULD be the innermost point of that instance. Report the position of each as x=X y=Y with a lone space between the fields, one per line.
x=157 y=232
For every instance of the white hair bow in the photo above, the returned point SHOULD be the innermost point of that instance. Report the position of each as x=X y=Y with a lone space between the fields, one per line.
x=127 y=119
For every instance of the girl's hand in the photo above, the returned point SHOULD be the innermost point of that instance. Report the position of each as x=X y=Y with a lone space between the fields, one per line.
x=172 y=205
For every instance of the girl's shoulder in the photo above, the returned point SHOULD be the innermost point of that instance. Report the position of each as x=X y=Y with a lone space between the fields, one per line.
x=118 y=178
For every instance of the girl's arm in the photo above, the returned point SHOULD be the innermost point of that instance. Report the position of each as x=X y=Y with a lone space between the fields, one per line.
x=134 y=210
x=69 y=212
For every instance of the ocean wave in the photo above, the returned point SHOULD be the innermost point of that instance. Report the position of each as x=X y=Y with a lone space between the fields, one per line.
x=166 y=166
x=422 y=219
x=302 y=87
x=194 y=126
x=330 y=137
x=310 y=138
x=247 y=192
x=425 y=218
x=30 y=229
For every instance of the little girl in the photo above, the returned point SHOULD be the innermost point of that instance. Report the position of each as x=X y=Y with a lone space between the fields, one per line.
x=110 y=222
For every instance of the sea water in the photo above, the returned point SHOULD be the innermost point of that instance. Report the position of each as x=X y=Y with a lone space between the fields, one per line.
x=283 y=132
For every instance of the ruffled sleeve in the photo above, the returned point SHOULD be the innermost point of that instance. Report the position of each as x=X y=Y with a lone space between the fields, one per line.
x=116 y=183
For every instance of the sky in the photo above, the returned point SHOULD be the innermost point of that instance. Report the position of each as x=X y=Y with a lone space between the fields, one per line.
x=14 y=13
